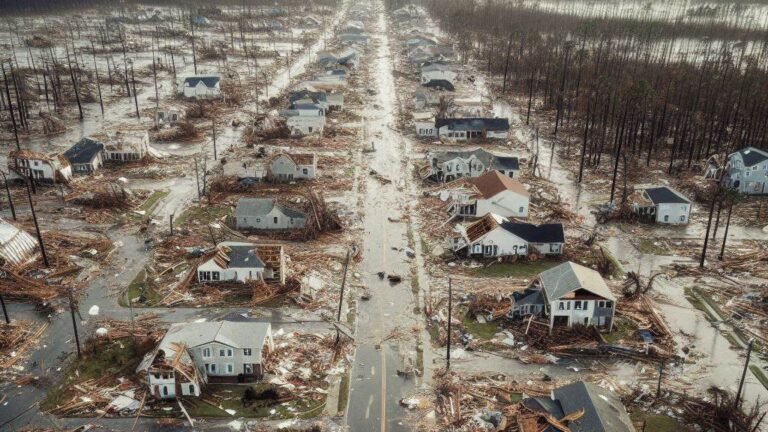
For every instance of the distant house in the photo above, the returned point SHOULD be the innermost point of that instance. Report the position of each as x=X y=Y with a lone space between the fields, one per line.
x=86 y=156
x=243 y=262
x=193 y=354
x=423 y=98
x=417 y=41
x=439 y=84
x=437 y=72
x=494 y=193
x=325 y=100
x=353 y=27
x=170 y=116
x=601 y=410
x=349 y=58
x=127 y=147
x=354 y=39
x=284 y=167
x=450 y=165
x=40 y=167
x=494 y=236
x=567 y=294
x=333 y=75
x=311 y=21
x=305 y=119
x=16 y=245
x=267 y=214
x=747 y=171
x=467 y=129
x=201 y=86
x=663 y=205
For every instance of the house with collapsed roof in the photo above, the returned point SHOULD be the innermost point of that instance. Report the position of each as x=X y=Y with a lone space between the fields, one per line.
x=438 y=72
x=267 y=214
x=567 y=294
x=126 y=146
x=494 y=193
x=494 y=236
x=304 y=119
x=16 y=245
x=583 y=406
x=326 y=100
x=41 y=167
x=449 y=165
x=243 y=262
x=311 y=21
x=193 y=354
x=348 y=57
x=747 y=171
x=201 y=87
x=662 y=204
x=169 y=116
x=286 y=167
x=86 y=156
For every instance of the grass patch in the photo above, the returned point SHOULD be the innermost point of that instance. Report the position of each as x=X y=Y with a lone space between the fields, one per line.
x=140 y=286
x=516 y=397
x=616 y=267
x=760 y=375
x=153 y=199
x=118 y=358
x=521 y=269
x=426 y=249
x=203 y=214
x=349 y=172
x=621 y=330
x=343 y=393
x=231 y=396
x=479 y=330
x=657 y=423
x=647 y=246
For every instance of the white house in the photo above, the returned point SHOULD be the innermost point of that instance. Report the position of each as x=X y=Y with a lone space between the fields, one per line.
x=747 y=171
x=170 y=116
x=450 y=165
x=568 y=294
x=493 y=193
x=201 y=86
x=193 y=354
x=292 y=166
x=437 y=72
x=305 y=119
x=127 y=146
x=663 y=205
x=267 y=214
x=86 y=156
x=41 y=167
x=494 y=236
x=243 y=262
x=467 y=129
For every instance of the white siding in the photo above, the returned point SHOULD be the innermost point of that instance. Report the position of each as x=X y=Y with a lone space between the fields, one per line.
x=230 y=274
x=274 y=220
x=673 y=213
x=506 y=203
x=506 y=244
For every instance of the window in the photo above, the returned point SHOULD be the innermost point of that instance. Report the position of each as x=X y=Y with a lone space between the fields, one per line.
x=230 y=368
x=305 y=171
x=221 y=352
x=601 y=304
x=191 y=389
x=258 y=220
x=666 y=218
x=230 y=352
x=247 y=352
x=211 y=367
x=309 y=129
x=577 y=305
x=586 y=305
x=608 y=304
x=561 y=306
x=682 y=218
x=522 y=209
x=165 y=390
x=275 y=220
x=568 y=305
x=206 y=352
x=248 y=369
x=746 y=174
x=683 y=208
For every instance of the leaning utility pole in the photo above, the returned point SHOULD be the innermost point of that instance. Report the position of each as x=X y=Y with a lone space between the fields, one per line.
x=743 y=374
x=709 y=225
x=72 y=304
x=37 y=226
x=341 y=295
x=725 y=234
x=10 y=198
x=135 y=97
x=213 y=121
x=10 y=108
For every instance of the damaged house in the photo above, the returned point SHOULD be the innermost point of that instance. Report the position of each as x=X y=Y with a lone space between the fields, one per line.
x=326 y=100
x=41 y=167
x=437 y=72
x=285 y=167
x=494 y=193
x=16 y=245
x=494 y=237
x=243 y=262
x=193 y=354
x=747 y=171
x=662 y=205
x=582 y=406
x=127 y=147
x=304 y=119
x=567 y=294
x=267 y=214
x=451 y=165
x=86 y=156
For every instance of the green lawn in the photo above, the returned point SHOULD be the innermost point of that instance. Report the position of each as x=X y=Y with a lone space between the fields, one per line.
x=760 y=375
x=138 y=286
x=481 y=331
x=658 y=423
x=204 y=214
x=343 y=392
x=231 y=398
x=118 y=358
x=647 y=246
x=153 y=199
x=521 y=269
x=621 y=330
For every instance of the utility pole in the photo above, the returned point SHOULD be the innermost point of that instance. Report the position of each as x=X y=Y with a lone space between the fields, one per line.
x=10 y=107
x=213 y=121
x=725 y=234
x=171 y=222
x=10 y=198
x=135 y=97
x=5 y=311
x=341 y=295
x=37 y=226
x=661 y=374
x=74 y=322
x=197 y=177
x=709 y=225
x=744 y=373
x=450 y=311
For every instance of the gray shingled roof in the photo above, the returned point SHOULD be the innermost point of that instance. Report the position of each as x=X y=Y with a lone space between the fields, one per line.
x=248 y=207
x=209 y=81
x=237 y=334
x=752 y=156
x=244 y=256
x=568 y=277
x=84 y=151
x=499 y=162
x=544 y=233
x=665 y=195
x=492 y=124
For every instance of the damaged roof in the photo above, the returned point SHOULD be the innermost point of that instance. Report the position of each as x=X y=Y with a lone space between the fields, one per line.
x=16 y=245
x=544 y=233
x=247 y=207
x=665 y=195
x=493 y=182
x=751 y=156
x=603 y=411
x=475 y=123
x=84 y=151
x=569 y=277
x=489 y=159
